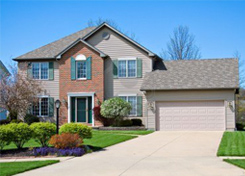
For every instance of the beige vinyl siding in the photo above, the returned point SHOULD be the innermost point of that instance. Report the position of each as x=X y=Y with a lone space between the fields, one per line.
x=50 y=87
x=194 y=95
x=117 y=47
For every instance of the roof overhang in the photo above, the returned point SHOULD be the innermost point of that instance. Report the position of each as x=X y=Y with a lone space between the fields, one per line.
x=150 y=54
x=58 y=56
x=218 y=88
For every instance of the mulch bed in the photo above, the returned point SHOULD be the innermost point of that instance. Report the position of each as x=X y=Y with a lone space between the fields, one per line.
x=16 y=153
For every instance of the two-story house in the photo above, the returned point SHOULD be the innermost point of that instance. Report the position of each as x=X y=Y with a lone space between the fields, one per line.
x=98 y=63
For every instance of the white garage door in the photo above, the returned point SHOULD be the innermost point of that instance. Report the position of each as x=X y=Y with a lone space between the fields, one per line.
x=191 y=116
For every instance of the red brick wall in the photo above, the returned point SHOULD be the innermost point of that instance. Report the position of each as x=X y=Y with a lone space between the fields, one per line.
x=96 y=84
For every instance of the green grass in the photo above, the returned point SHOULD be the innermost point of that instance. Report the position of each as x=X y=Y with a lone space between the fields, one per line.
x=237 y=162
x=136 y=132
x=232 y=144
x=11 y=168
x=100 y=139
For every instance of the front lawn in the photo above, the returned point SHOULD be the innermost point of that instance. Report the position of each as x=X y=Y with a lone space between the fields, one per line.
x=232 y=144
x=103 y=139
x=100 y=139
x=237 y=162
x=11 y=168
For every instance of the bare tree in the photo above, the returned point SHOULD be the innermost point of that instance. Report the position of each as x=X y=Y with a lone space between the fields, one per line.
x=182 y=45
x=241 y=68
x=99 y=21
x=18 y=92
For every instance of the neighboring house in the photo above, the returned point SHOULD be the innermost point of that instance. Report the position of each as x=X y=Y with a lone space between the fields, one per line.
x=98 y=63
x=3 y=72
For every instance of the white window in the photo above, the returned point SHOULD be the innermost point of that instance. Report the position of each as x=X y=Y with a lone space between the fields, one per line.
x=133 y=101
x=41 y=109
x=40 y=70
x=81 y=69
x=127 y=68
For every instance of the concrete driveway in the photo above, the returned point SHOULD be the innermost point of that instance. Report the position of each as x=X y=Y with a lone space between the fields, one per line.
x=160 y=153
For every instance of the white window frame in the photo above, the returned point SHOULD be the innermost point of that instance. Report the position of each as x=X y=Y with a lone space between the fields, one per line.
x=81 y=58
x=130 y=95
x=127 y=59
x=77 y=70
x=40 y=70
x=39 y=102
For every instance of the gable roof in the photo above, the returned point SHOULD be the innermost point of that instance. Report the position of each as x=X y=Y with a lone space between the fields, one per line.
x=193 y=74
x=85 y=43
x=52 y=50
x=55 y=49
x=120 y=34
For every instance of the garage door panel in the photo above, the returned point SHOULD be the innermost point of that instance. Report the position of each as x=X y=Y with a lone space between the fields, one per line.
x=195 y=115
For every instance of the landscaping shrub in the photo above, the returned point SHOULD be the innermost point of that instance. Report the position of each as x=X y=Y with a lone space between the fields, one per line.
x=75 y=128
x=115 y=108
x=42 y=132
x=6 y=135
x=29 y=119
x=66 y=140
x=16 y=121
x=125 y=123
x=44 y=151
x=136 y=122
x=5 y=121
x=240 y=126
x=21 y=133
x=102 y=119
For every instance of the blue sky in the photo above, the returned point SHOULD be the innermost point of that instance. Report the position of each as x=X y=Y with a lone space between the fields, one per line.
x=219 y=27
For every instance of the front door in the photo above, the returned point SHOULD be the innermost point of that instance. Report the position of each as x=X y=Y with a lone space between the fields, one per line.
x=81 y=110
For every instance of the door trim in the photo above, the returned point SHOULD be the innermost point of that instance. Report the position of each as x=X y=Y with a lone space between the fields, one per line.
x=80 y=94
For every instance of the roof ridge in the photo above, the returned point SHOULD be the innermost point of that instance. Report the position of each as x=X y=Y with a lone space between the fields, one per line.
x=205 y=59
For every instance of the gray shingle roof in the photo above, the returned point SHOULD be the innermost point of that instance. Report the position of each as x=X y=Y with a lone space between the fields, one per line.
x=193 y=74
x=51 y=50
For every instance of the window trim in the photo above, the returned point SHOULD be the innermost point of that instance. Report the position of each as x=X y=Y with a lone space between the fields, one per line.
x=77 y=69
x=39 y=102
x=127 y=59
x=40 y=70
x=131 y=95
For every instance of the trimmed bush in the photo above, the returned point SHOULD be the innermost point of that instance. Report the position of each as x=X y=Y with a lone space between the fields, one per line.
x=21 y=133
x=29 y=119
x=42 y=132
x=136 y=122
x=16 y=121
x=66 y=140
x=6 y=136
x=102 y=119
x=75 y=128
x=115 y=108
x=125 y=123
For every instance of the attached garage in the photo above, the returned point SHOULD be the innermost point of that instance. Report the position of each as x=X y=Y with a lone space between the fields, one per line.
x=194 y=95
x=191 y=116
